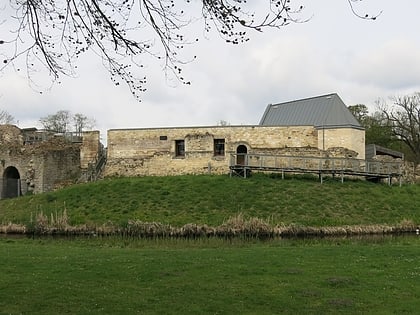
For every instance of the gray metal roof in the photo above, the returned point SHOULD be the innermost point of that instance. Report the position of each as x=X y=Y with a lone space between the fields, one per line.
x=326 y=111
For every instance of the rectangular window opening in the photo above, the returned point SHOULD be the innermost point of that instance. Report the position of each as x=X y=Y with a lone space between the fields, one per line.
x=163 y=138
x=219 y=147
x=179 y=148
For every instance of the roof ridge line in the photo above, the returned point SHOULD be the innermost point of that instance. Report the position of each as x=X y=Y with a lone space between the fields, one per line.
x=305 y=99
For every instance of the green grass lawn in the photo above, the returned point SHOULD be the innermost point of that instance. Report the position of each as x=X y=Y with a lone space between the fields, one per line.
x=211 y=200
x=123 y=275
x=209 y=276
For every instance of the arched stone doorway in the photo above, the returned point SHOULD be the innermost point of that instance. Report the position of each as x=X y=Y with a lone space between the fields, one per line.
x=241 y=151
x=11 y=183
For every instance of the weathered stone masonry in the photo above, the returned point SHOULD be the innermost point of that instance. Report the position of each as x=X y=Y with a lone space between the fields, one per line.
x=28 y=162
x=139 y=152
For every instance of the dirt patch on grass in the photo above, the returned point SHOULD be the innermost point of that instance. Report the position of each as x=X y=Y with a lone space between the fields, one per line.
x=341 y=302
x=340 y=281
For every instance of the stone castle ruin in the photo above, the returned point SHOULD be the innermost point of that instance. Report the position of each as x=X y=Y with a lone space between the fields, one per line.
x=200 y=150
x=33 y=161
x=319 y=126
x=318 y=132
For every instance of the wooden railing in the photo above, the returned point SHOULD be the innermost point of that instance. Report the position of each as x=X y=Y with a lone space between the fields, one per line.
x=319 y=165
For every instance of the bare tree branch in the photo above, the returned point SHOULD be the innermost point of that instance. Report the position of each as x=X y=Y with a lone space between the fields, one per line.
x=5 y=117
x=404 y=117
x=52 y=34
x=362 y=16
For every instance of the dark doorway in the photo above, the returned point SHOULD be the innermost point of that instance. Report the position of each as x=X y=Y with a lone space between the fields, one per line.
x=241 y=151
x=11 y=183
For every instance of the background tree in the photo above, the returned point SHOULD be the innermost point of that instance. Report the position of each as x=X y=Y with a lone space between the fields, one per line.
x=5 y=117
x=403 y=116
x=58 y=122
x=61 y=122
x=377 y=131
x=82 y=123
x=223 y=123
x=53 y=33
x=359 y=111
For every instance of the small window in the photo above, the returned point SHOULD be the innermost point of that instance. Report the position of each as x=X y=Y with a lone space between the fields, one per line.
x=163 y=138
x=219 y=147
x=179 y=148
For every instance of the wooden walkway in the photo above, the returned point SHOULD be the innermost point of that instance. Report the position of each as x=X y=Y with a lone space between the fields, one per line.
x=243 y=164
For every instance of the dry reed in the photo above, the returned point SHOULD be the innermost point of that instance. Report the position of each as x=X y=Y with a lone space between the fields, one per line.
x=237 y=226
x=12 y=228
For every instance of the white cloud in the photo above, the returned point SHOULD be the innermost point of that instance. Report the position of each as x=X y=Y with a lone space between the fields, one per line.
x=333 y=52
x=391 y=66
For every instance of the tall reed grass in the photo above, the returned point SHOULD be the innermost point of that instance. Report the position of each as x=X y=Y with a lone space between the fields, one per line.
x=58 y=223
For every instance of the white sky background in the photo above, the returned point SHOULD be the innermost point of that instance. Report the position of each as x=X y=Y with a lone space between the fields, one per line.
x=335 y=52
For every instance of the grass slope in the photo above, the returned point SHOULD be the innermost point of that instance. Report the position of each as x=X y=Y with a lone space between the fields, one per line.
x=206 y=199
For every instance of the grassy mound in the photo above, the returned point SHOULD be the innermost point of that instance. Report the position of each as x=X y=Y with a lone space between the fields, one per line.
x=213 y=200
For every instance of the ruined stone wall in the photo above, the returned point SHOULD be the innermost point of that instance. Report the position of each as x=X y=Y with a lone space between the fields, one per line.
x=11 y=153
x=42 y=166
x=40 y=169
x=136 y=152
x=10 y=133
x=91 y=147
x=350 y=138
x=26 y=164
x=61 y=166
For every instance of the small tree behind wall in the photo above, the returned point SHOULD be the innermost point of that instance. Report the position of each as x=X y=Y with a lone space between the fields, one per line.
x=63 y=121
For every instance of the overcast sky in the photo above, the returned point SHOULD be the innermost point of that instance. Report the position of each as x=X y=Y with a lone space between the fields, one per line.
x=334 y=52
